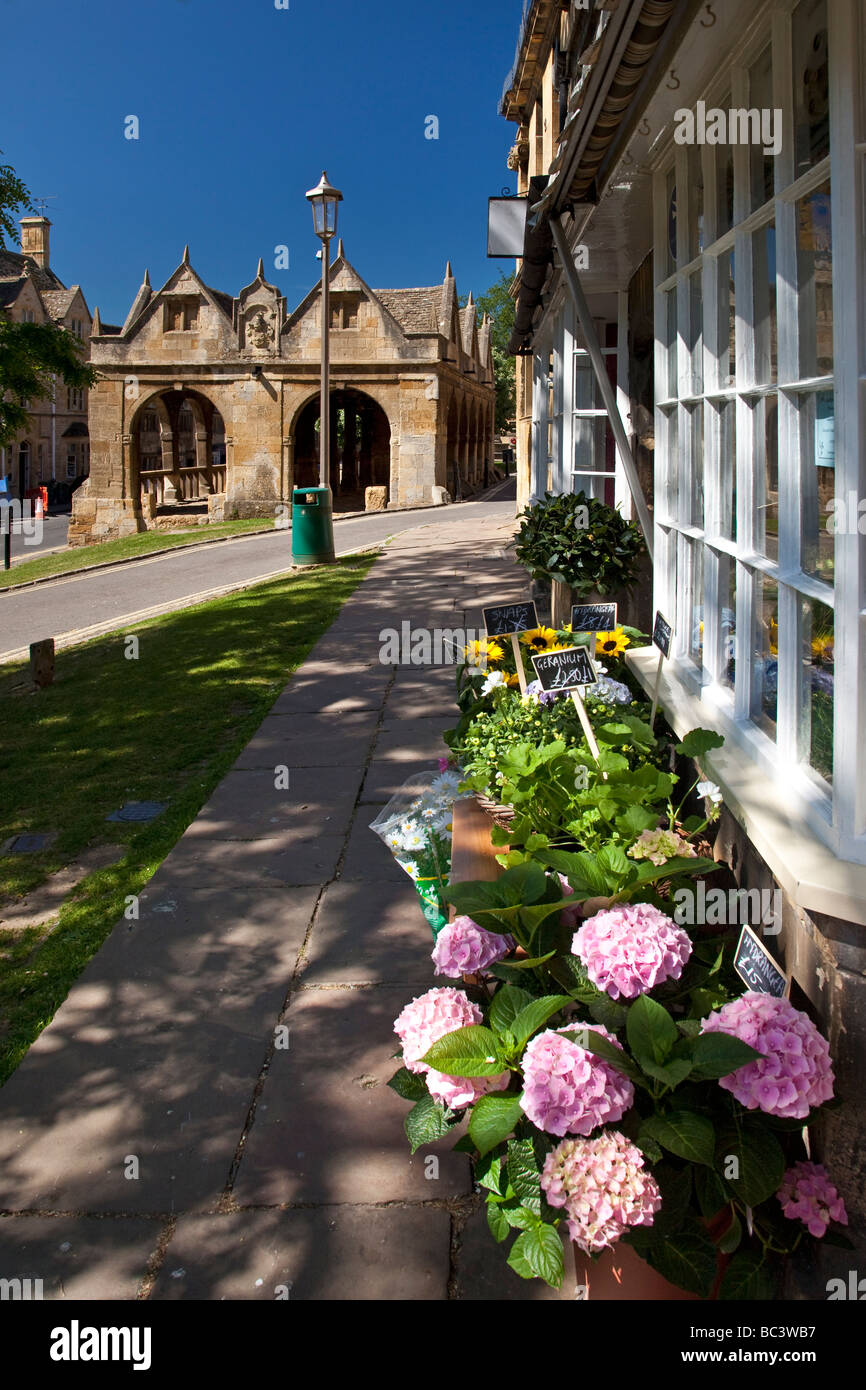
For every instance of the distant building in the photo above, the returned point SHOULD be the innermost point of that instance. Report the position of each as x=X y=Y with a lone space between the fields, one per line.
x=55 y=446
x=212 y=400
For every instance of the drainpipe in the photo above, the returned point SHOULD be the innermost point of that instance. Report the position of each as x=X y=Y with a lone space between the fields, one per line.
x=53 y=428
x=587 y=328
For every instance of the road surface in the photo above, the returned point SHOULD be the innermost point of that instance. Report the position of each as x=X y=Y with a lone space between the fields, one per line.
x=83 y=605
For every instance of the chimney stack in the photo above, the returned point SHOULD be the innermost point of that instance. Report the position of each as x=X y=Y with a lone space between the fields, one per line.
x=34 y=239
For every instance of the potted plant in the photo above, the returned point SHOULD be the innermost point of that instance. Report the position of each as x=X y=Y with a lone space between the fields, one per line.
x=618 y=1083
x=579 y=546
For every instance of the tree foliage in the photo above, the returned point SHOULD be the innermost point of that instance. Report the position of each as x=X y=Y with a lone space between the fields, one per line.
x=497 y=302
x=31 y=354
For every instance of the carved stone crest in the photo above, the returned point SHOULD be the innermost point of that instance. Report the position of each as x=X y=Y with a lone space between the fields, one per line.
x=259 y=330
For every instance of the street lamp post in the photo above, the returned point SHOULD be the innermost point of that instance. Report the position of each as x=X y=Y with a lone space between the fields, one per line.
x=324 y=199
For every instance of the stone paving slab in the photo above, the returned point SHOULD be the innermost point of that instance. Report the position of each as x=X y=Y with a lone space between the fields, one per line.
x=78 y=1257
x=422 y=736
x=385 y=776
x=295 y=856
x=366 y=857
x=368 y=932
x=321 y=740
x=333 y=1129
x=353 y=1253
x=246 y=805
x=482 y=1272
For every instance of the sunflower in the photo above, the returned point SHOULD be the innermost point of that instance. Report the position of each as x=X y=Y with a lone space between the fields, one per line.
x=612 y=643
x=822 y=648
x=494 y=651
x=538 y=639
x=512 y=680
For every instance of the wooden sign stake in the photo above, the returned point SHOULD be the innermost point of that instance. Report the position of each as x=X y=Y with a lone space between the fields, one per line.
x=656 y=691
x=518 y=659
x=582 y=715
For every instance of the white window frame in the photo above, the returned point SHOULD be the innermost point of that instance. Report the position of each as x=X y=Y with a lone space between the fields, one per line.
x=837 y=814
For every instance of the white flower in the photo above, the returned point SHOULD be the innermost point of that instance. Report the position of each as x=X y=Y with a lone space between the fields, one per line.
x=711 y=790
x=493 y=680
x=414 y=840
x=411 y=869
x=444 y=787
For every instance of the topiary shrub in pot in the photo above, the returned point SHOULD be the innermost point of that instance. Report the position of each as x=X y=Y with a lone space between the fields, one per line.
x=581 y=544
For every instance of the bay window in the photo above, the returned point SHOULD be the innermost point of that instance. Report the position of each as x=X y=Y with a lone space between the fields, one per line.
x=757 y=566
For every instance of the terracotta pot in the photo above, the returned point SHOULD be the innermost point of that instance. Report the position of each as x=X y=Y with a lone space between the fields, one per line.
x=620 y=1274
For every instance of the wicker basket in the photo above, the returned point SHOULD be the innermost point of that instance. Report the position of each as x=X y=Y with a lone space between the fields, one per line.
x=499 y=814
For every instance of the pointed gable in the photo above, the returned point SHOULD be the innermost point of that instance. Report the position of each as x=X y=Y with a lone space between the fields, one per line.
x=363 y=322
x=185 y=313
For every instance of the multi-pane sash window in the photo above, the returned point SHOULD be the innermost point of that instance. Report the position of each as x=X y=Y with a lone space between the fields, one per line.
x=748 y=477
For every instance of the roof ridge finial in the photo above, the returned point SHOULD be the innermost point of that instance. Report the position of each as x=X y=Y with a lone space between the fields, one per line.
x=260 y=273
x=185 y=260
x=449 y=273
x=96 y=325
x=146 y=281
x=341 y=255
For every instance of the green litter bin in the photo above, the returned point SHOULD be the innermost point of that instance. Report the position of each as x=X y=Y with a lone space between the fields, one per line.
x=312 y=526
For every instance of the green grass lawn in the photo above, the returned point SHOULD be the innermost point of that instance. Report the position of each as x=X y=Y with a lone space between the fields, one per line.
x=165 y=727
x=145 y=543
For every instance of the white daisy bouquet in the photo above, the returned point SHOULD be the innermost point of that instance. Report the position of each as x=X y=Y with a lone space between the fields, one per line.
x=416 y=827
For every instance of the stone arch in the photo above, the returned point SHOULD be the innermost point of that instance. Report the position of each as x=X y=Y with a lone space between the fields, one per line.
x=362 y=434
x=186 y=464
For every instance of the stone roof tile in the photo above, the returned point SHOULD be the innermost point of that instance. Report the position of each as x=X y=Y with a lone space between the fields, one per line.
x=416 y=310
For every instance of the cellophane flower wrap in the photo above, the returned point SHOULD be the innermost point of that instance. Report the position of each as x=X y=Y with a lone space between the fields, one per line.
x=416 y=827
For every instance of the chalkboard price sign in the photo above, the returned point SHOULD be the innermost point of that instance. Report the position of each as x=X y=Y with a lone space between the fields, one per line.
x=565 y=670
x=506 y=618
x=662 y=634
x=593 y=617
x=756 y=967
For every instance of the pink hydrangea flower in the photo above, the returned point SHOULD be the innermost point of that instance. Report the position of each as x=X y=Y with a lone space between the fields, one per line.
x=569 y=916
x=629 y=950
x=808 y=1195
x=568 y=1090
x=795 y=1072
x=421 y=1024
x=603 y=1186
x=463 y=948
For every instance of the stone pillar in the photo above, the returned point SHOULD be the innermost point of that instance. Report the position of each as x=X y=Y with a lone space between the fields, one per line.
x=288 y=479
x=334 y=466
x=365 y=451
x=350 y=472
x=203 y=460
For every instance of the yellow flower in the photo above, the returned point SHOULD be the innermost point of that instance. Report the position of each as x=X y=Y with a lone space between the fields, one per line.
x=512 y=680
x=494 y=652
x=538 y=639
x=612 y=643
x=822 y=647
x=774 y=637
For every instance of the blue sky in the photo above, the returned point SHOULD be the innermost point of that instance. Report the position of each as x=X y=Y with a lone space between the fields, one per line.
x=240 y=107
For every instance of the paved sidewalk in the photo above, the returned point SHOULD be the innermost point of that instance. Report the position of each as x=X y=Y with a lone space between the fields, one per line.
x=207 y=1115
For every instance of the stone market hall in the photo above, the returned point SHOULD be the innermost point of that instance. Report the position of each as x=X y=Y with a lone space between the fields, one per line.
x=207 y=406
